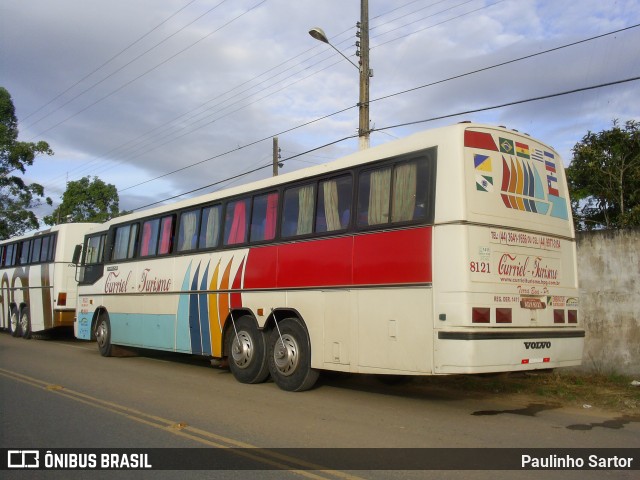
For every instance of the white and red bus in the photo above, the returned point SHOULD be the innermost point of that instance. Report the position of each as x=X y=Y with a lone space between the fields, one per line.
x=450 y=251
x=37 y=279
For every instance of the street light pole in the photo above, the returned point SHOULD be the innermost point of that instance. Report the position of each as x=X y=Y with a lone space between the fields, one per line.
x=365 y=72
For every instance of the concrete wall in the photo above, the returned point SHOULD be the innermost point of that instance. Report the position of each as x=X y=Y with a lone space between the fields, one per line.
x=609 y=276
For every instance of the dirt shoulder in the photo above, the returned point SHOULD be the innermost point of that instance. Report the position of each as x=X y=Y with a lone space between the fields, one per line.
x=607 y=392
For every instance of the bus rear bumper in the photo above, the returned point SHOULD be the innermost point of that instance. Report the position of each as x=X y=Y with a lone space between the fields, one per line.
x=493 y=350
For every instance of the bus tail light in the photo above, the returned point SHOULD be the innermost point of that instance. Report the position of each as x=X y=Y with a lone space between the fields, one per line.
x=62 y=299
x=527 y=361
x=480 y=315
x=573 y=316
x=558 y=316
x=503 y=315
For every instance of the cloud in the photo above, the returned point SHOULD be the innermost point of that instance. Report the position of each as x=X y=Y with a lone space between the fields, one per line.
x=211 y=82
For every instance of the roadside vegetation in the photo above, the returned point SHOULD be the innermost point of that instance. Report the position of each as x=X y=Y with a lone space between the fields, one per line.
x=609 y=392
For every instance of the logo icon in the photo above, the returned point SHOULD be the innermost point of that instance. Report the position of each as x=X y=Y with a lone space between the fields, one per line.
x=23 y=459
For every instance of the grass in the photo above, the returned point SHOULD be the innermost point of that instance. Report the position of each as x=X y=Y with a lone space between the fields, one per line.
x=609 y=392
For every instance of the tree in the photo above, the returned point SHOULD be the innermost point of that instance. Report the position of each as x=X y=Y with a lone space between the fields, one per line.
x=86 y=200
x=17 y=198
x=604 y=178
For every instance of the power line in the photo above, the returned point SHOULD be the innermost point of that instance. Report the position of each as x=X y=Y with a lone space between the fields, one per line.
x=150 y=70
x=104 y=64
x=484 y=109
x=516 y=102
x=270 y=164
x=526 y=57
x=378 y=99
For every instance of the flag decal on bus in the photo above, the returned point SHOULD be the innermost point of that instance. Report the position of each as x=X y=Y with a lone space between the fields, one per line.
x=484 y=173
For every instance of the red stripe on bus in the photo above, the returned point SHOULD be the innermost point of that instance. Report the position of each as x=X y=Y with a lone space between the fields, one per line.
x=479 y=140
x=396 y=257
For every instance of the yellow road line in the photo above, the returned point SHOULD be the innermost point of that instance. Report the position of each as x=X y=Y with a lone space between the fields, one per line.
x=180 y=429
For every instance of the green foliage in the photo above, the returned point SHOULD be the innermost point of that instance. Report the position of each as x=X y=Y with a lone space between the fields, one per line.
x=604 y=178
x=17 y=198
x=86 y=200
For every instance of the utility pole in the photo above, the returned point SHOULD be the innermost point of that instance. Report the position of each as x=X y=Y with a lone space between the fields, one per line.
x=365 y=74
x=276 y=156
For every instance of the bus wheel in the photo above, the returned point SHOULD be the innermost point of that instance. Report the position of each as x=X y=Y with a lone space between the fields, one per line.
x=247 y=347
x=14 y=323
x=25 y=323
x=290 y=357
x=103 y=335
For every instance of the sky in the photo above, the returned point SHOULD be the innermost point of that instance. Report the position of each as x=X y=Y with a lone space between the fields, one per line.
x=163 y=97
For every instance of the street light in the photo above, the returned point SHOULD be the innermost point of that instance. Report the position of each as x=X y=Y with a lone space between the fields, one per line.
x=365 y=73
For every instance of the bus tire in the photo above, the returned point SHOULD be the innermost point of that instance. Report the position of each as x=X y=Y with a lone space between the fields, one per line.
x=14 y=322
x=247 y=347
x=290 y=357
x=25 y=323
x=103 y=334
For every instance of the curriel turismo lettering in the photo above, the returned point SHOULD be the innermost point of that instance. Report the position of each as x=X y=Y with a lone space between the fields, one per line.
x=114 y=284
x=511 y=267
x=153 y=285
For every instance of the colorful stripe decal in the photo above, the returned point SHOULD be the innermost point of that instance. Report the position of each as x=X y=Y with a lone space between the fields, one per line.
x=194 y=316
x=204 y=314
x=183 y=338
x=214 y=318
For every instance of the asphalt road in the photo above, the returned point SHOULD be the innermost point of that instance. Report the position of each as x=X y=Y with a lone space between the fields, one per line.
x=61 y=394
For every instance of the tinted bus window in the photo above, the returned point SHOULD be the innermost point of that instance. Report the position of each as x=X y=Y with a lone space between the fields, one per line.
x=125 y=242
x=210 y=228
x=297 y=216
x=188 y=230
x=236 y=222
x=264 y=217
x=334 y=204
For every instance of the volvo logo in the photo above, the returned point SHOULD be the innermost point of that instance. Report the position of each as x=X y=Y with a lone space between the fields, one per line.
x=536 y=345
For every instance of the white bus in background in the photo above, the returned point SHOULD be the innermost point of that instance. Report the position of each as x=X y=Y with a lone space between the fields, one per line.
x=450 y=251
x=37 y=280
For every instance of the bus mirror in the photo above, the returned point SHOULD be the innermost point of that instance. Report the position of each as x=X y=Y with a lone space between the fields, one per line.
x=76 y=254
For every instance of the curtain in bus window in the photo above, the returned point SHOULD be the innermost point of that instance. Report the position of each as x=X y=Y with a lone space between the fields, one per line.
x=187 y=237
x=210 y=227
x=165 y=235
x=331 y=213
x=305 y=210
x=380 y=181
x=404 y=192
x=238 y=231
x=133 y=237
x=271 y=217
x=121 y=243
x=149 y=243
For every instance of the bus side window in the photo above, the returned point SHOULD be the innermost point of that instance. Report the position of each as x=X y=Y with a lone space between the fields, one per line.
x=35 y=251
x=236 y=222
x=334 y=204
x=188 y=230
x=374 y=197
x=125 y=242
x=149 y=241
x=210 y=228
x=264 y=217
x=298 y=210
x=166 y=235
x=25 y=250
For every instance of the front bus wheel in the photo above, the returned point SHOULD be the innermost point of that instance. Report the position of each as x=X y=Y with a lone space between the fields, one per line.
x=290 y=356
x=103 y=334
